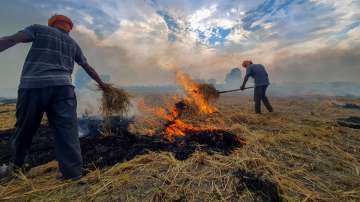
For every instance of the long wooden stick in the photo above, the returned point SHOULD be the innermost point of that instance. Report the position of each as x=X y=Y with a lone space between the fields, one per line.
x=228 y=91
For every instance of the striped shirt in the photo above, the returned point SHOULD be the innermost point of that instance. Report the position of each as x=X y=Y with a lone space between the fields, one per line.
x=258 y=72
x=50 y=61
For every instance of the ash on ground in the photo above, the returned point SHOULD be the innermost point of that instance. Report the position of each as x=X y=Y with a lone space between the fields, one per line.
x=121 y=145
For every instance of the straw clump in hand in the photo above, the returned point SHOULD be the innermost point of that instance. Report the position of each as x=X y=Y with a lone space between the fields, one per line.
x=115 y=101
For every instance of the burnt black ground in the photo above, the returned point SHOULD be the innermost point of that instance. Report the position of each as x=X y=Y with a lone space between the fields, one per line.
x=350 y=122
x=263 y=189
x=101 y=151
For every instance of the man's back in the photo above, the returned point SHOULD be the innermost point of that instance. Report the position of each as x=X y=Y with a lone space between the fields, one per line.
x=50 y=61
x=46 y=87
x=258 y=72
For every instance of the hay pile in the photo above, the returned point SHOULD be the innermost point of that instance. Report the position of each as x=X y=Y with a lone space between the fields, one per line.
x=115 y=101
x=208 y=91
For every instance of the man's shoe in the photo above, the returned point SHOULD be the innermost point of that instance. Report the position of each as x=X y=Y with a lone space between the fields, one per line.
x=7 y=170
x=4 y=171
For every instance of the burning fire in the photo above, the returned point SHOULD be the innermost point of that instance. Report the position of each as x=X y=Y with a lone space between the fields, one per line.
x=175 y=125
x=192 y=89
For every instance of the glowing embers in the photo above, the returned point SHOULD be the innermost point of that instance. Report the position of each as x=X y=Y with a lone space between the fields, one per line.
x=174 y=126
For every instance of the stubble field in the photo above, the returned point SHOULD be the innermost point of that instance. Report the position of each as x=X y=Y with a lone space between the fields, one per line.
x=298 y=153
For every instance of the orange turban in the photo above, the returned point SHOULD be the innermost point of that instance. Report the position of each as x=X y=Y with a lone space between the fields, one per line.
x=246 y=62
x=61 y=22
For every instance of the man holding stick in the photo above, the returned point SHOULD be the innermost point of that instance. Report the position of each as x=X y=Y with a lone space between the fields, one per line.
x=46 y=87
x=258 y=72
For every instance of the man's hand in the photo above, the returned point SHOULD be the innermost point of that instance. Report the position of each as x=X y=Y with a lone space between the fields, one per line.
x=244 y=82
x=104 y=86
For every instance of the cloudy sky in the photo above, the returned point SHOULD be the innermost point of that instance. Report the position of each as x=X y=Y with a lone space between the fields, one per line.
x=141 y=42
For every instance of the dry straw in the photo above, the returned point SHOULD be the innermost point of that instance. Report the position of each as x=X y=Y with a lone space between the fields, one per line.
x=300 y=149
x=115 y=101
x=208 y=91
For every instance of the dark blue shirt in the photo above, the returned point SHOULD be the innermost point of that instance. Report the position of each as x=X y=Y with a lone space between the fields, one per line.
x=50 y=61
x=258 y=72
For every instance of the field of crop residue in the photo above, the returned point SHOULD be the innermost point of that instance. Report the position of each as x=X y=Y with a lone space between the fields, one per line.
x=297 y=153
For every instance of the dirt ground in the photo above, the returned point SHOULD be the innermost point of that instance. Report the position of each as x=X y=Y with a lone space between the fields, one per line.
x=298 y=153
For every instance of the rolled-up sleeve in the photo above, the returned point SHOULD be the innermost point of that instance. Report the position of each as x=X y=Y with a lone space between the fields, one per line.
x=80 y=59
x=30 y=31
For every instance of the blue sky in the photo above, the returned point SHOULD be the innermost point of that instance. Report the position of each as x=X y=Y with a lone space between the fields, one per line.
x=141 y=41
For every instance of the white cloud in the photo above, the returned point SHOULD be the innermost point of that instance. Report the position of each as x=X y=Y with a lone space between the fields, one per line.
x=222 y=22
x=238 y=35
x=83 y=30
x=136 y=49
x=200 y=15
x=145 y=38
x=344 y=12
x=89 y=19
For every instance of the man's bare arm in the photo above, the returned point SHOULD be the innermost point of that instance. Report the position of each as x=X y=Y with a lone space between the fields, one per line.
x=244 y=82
x=10 y=41
x=94 y=75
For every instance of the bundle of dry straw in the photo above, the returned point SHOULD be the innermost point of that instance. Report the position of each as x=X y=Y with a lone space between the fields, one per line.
x=208 y=91
x=115 y=101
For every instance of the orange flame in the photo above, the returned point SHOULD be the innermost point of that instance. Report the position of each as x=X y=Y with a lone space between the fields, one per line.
x=175 y=126
x=177 y=129
x=192 y=90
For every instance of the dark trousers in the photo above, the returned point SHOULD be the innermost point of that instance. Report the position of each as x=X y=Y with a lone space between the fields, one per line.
x=59 y=103
x=260 y=95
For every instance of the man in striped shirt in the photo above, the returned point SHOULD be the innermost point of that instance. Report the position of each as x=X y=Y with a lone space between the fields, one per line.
x=46 y=87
